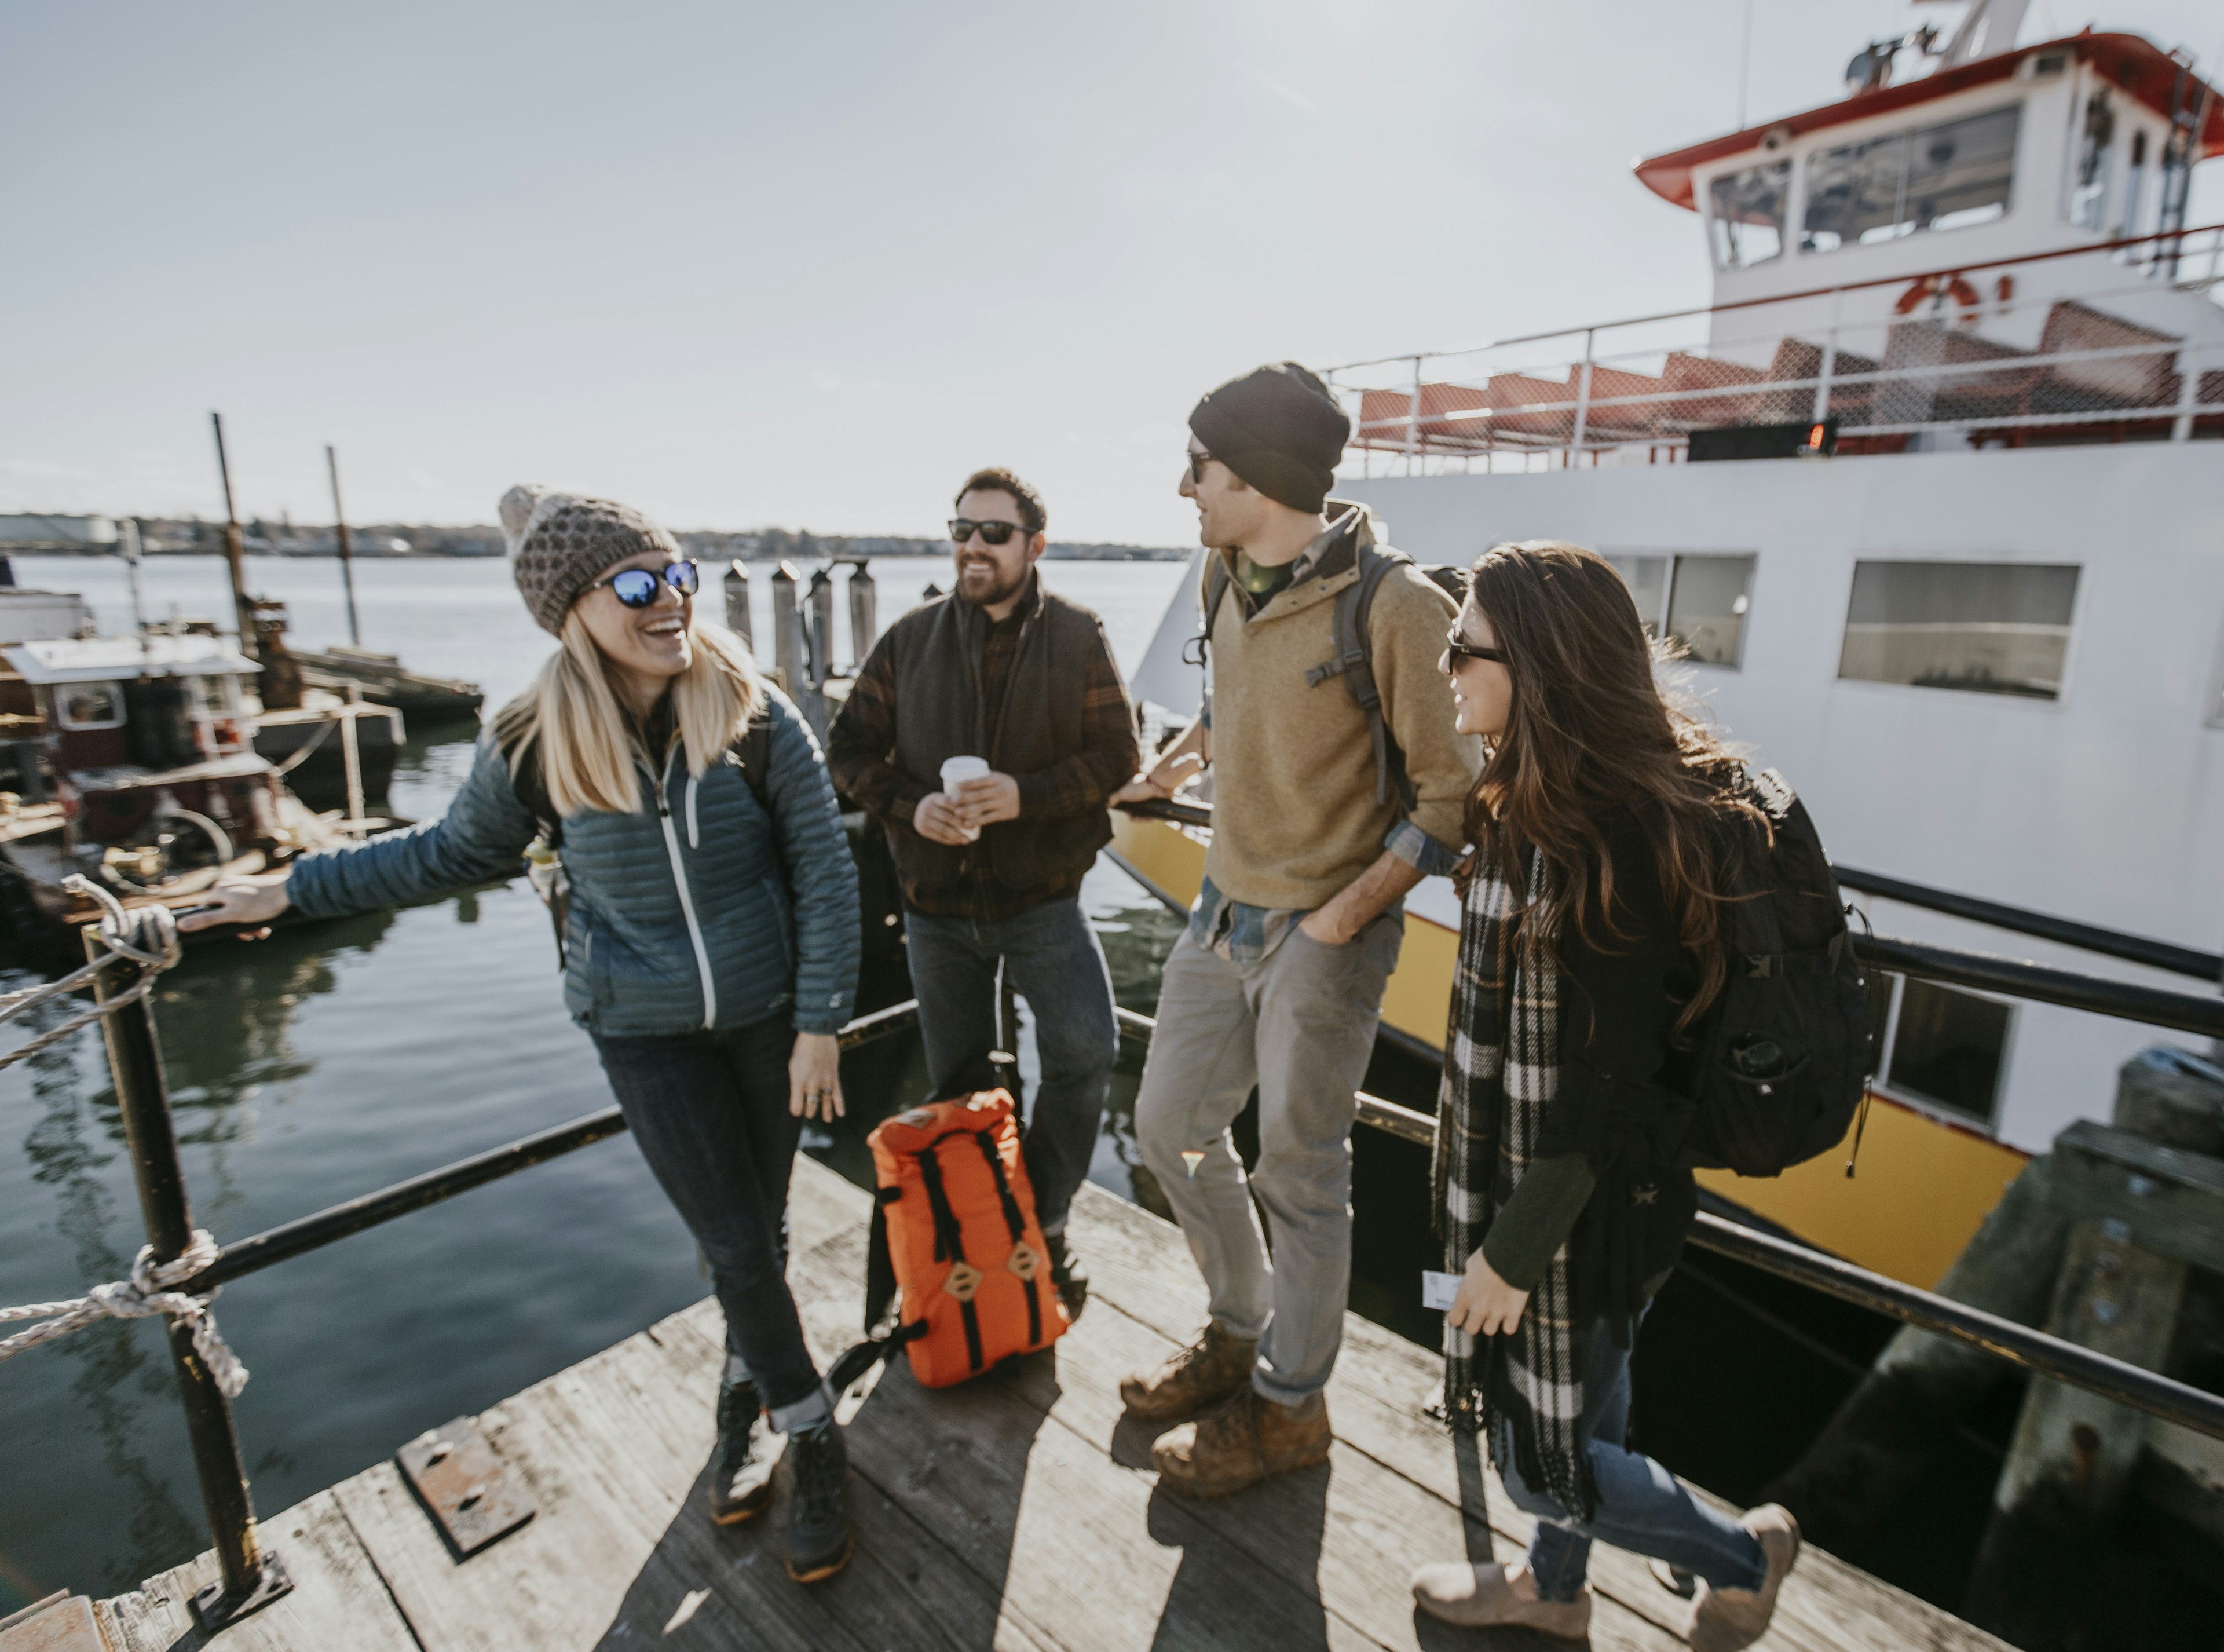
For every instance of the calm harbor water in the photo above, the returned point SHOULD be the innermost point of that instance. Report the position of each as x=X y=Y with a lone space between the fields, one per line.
x=333 y=1058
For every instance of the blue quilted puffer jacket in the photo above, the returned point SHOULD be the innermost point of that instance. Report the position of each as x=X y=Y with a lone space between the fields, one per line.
x=700 y=909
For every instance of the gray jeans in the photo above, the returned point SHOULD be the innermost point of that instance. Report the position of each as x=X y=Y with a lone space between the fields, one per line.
x=1299 y=1023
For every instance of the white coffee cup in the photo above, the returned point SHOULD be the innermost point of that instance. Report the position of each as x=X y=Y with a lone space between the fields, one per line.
x=955 y=771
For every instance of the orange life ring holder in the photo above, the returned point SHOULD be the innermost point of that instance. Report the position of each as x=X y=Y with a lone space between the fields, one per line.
x=1941 y=289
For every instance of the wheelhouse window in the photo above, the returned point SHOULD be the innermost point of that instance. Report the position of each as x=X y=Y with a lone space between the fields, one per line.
x=90 y=704
x=1698 y=601
x=1745 y=214
x=2088 y=186
x=1991 y=628
x=1945 y=177
x=1946 y=1047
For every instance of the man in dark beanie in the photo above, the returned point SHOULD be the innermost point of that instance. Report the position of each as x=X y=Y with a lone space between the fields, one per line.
x=1319 y=829
x=1279 y=430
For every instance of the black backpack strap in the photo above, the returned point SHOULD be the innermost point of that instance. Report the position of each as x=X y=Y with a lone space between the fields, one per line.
x=880 y=1291
x=1353 y=661
x=754 y=750
x=1216 y=587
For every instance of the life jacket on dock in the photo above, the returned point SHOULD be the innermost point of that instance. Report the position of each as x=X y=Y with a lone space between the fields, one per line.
x=955 y=1231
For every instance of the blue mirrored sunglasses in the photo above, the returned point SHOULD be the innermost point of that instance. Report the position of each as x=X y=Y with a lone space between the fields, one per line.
x=637 y=587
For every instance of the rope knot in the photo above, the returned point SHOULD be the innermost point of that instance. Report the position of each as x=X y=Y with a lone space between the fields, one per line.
x=148 y=1293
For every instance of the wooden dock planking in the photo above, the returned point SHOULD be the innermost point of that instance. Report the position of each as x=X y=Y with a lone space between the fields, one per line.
x=1016 y=1512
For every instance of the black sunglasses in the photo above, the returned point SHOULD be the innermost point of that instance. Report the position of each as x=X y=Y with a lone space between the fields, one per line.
x=1198 y=459
x=1460 y=650
x=638 y=587
x=994 y=533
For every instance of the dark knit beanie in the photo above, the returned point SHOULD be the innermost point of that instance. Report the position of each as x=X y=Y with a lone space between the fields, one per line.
x=559 y=543
x=1277 y=427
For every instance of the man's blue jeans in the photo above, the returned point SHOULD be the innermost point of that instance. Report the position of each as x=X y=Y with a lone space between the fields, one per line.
x=1641 y=1506
x=708 y=1111
x=1058 y=966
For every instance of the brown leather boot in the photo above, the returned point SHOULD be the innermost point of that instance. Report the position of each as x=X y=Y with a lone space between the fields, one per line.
x=1194 y=1381
x=1241 y=1444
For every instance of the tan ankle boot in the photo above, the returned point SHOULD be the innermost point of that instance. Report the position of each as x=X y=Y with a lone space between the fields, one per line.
x=1199 y=1378
x=1245 y=1440
x=1727 y=1620
x=1478 y=1597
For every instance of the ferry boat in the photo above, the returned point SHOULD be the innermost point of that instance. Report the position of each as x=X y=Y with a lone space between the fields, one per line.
x=1932 y=493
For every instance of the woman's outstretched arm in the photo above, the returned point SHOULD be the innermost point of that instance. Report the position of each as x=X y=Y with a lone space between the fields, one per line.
x=480 y=839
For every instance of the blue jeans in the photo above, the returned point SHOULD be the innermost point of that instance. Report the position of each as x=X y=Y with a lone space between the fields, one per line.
x=1641 y=1506
x=1058 y=966
x=708 y=1111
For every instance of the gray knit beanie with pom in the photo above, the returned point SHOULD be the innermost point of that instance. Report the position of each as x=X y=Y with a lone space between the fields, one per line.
x=560 y=542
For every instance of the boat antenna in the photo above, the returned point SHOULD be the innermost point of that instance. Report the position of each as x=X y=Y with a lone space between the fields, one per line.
x=234 y=551
x=127 y=534
x=340 y=534
x=1744 y=63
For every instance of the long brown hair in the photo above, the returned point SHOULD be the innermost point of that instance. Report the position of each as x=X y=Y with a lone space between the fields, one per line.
x=1589 y=730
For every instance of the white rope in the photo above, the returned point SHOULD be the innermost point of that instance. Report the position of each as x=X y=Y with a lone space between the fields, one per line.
x=146 y=1294
x=148 y=937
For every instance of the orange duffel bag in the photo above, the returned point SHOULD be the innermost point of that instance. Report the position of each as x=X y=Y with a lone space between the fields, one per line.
x=954 y=1229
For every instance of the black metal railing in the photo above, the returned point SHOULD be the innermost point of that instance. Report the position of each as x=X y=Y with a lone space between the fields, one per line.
x=2091 y=938
x=250 y=1574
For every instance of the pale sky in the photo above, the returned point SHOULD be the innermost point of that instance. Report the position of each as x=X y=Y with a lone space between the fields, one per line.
x=745 y=264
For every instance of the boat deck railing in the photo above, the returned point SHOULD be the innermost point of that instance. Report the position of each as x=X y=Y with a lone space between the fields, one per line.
x=250 y=1574
x=1985 y=352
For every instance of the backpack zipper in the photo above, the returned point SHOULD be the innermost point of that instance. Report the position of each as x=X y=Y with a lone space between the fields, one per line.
x=686 y=903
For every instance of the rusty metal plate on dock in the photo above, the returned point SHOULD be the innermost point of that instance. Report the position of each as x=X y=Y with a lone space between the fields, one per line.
x=467 y=1490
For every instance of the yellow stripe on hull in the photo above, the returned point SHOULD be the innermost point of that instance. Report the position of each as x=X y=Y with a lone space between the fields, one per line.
x=1922 y=1186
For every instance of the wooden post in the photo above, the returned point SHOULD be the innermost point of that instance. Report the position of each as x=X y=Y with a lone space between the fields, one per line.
x=340 y=535
x=235 y=551
x=737 y=584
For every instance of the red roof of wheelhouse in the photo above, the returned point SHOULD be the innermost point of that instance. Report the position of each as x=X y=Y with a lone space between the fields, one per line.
x=2141 y=69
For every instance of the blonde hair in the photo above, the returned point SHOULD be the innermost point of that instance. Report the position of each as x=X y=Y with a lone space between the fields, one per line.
x=587 y=744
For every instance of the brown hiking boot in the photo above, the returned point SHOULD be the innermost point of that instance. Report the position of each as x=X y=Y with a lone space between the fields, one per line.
x=1249 y=1437
x=1194 y=1381
x=1726 y=1620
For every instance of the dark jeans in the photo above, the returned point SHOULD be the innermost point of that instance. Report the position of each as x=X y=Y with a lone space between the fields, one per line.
x=1058 y=966
x=1642 y=1508
x=708 y=1111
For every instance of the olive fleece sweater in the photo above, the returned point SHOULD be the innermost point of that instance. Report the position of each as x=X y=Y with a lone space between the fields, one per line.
x=1294 y=813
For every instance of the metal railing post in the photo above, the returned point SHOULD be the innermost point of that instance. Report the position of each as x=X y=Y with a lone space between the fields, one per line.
x=1413 y=419
x=249 y=1575
x=2189 y=394
x=1830 y=358
x=1582 y=399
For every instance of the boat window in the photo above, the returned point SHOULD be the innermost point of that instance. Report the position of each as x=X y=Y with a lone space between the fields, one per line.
x=1947 y=1048
x=90 y=704
x=1706 y=606
x=1746 y=214
x=2089 y=186
x=1944 y=177
x=1991 y=628
x=1647 y=579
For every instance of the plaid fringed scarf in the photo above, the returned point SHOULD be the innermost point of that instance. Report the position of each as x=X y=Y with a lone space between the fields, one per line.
x=1501 y=1071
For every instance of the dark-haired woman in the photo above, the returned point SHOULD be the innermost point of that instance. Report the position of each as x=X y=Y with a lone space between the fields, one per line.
x=1602 y=825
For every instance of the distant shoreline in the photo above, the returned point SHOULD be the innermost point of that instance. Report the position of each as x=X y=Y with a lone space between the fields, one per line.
x=829 y=548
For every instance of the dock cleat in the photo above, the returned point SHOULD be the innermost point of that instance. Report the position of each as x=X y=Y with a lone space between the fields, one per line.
x=748 y=1451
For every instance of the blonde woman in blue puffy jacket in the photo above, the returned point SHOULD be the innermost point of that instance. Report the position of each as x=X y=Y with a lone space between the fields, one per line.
x=709 y=935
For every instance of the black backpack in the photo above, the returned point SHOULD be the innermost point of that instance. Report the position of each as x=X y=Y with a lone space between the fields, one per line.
x=1786 y=1053
x=1353 y=659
